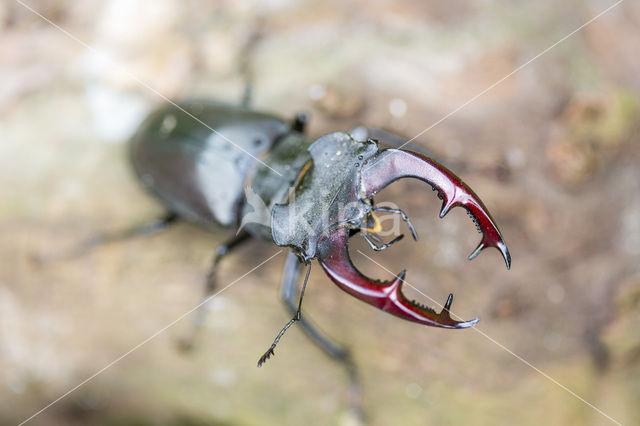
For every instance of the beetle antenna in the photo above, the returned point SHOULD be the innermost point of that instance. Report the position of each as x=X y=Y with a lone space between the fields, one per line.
x=296 y=317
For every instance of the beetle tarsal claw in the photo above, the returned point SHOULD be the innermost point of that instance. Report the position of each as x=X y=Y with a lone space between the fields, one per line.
x=333 y=254
x=392 y=164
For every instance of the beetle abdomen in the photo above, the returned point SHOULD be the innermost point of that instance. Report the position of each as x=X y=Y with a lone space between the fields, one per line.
x=196 y=172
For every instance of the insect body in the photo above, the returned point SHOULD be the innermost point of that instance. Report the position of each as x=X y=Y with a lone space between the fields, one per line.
x=313 y=195
x=258 y=174
x=197 y=173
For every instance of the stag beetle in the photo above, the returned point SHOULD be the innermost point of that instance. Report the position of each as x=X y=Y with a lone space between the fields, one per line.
x=207 y=175
x=208 y=162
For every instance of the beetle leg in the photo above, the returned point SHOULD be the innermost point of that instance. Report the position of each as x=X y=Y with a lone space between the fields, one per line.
x=187 y=343
x=289 y=295
x=299 y=122
x=333 y=255
x=297 y=316
x=245 y=65
x=392 y=164
x=95 y=241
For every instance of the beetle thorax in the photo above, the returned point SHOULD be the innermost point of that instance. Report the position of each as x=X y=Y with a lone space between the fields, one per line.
x=327 y=196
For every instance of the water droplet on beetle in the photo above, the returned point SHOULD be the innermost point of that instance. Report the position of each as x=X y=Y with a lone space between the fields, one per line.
x=168 y=124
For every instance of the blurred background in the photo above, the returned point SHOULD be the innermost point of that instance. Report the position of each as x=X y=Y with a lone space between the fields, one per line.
x=553 y=151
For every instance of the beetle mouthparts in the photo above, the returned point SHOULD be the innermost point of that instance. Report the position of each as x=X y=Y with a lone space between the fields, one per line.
x=333 y=255
x=392 y=164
